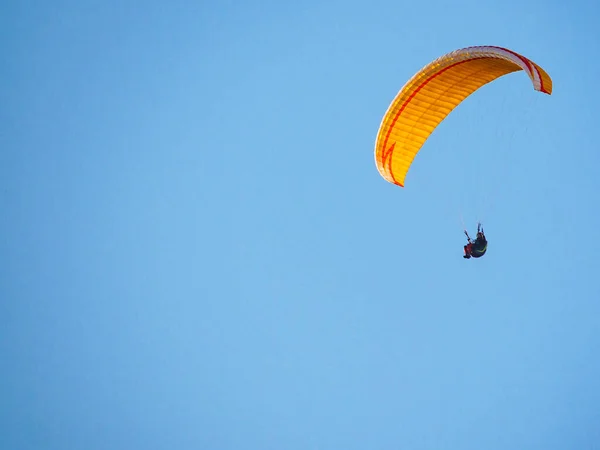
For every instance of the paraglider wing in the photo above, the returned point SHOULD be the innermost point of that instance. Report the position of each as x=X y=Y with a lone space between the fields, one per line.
x=433 y=92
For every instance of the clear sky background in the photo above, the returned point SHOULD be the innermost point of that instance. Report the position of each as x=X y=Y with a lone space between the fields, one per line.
x=197 y=251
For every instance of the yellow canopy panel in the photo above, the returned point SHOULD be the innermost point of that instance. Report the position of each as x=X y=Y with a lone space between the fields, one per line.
x=433 y=92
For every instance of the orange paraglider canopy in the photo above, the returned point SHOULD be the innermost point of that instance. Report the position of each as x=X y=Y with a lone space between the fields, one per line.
x=433 y=92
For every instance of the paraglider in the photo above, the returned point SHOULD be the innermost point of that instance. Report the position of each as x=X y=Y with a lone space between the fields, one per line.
x=430 y=95
x=477 y=248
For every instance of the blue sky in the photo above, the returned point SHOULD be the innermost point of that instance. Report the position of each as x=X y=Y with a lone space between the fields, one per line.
x=198 y=252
